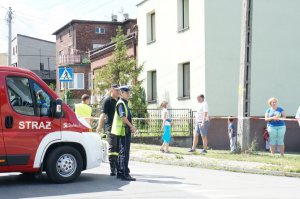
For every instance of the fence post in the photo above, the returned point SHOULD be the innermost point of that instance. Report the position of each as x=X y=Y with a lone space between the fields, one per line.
x=191 y=122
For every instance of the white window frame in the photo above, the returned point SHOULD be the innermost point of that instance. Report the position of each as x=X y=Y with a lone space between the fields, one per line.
x=97 y=46
x=100 y=30
x=151 y=27
x=182 y=94
x=183 y=13
x=74 y=82
x=90 y=81
x=152 y=86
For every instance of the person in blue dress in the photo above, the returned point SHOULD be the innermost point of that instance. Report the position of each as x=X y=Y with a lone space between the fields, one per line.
x=166 y=127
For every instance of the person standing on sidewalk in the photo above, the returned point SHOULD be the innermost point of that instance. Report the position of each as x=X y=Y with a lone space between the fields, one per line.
x=122 y=126
x=232 y=135
x=201 y=125
x=166 y=127
x=275 y=127
x=107 y=115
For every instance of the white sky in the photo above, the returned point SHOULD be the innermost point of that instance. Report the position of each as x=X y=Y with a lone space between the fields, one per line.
x=40 y=18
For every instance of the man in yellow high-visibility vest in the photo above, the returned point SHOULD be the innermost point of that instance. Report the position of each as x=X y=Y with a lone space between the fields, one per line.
x=83 y=109
x=122 y=127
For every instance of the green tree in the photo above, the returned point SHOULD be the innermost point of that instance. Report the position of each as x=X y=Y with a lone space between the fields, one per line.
x=122 y=69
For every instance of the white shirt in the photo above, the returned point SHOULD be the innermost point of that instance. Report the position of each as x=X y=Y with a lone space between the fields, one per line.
x=298 y=115
x=202 y=108
x=164 y=112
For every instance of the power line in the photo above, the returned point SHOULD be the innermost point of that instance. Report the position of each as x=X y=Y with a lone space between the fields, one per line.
x=3 y=7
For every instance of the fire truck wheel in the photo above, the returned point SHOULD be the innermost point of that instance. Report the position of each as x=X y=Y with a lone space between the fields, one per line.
x=64 y=164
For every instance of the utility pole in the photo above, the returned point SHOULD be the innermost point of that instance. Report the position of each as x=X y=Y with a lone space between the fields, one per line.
x=245 y=76
x=8 y=19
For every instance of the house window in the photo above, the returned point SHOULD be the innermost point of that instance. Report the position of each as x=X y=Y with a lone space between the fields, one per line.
x=183 y=14
x=13 y=50
x=69 y=50
x=90 y=81
x=61 y=56
x=151 y=86
x=70 y=35
x=184 y=80
x=78 y=81
x=100 y=30
x=151 y=33
x=60 y=38
x=76 y=84
x=97 y=46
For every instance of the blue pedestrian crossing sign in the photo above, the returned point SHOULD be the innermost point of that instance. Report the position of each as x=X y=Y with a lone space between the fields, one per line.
x=65 y=74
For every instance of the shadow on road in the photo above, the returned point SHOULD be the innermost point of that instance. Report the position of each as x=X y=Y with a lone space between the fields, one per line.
x=19 y=185
x=162 y=179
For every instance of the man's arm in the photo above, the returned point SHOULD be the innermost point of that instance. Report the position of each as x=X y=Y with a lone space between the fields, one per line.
x=131 y=126
x=203 y=119
x=121 y=112
x=101 y=122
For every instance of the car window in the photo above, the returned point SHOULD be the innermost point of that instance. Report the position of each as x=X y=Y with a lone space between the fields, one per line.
x=19 y=95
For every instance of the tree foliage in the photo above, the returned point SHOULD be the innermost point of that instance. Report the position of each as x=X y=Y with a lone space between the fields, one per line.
x=122 y=70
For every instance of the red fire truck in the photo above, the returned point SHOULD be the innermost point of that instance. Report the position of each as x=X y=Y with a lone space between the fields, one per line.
x=41 y=133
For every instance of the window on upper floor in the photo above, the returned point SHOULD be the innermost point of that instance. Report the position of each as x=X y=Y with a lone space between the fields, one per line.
x=61 y=56
x=70 y=33
x=100 y=30
x=70 y=50
x=60 y=38
x=183 y=14
x=151 y=86
x=184 y=81
x=151 y=27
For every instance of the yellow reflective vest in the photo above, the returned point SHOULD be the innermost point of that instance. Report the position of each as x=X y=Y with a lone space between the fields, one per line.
x=118 y=126
x=83 y=110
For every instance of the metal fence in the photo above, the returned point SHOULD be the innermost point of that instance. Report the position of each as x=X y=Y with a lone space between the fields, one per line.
x=151 y=123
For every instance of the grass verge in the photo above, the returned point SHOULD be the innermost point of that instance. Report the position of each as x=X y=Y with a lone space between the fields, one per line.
x=290 y=163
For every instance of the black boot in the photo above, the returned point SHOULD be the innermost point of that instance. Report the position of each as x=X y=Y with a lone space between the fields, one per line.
x=127 y=178
x=113 y=165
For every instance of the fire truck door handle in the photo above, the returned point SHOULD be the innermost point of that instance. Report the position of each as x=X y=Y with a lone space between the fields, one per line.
x=9 y=121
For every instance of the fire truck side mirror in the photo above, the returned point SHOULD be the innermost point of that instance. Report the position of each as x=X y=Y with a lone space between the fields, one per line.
x=57 y=108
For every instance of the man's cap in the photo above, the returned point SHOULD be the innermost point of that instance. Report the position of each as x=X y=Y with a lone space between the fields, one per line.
x=124 y=88
x=115 y=86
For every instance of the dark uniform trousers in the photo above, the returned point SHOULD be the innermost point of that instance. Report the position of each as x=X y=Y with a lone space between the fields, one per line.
x=124 y=152
x=113 y=151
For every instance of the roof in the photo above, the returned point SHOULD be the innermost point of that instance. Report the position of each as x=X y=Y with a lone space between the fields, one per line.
x=109 y=45
x=141 y=2
x=19 y=35
x=91 y=22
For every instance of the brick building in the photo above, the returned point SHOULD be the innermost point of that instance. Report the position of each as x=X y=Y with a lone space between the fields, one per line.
x=74 y=42
x=100 y=56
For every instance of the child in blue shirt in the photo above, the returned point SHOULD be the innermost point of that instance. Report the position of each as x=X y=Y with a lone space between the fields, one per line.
x=231 y=134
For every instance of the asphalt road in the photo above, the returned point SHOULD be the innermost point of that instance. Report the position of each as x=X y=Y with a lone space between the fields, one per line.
x=153 y=181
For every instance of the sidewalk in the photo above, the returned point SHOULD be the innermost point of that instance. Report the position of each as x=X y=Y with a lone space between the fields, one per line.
x=151 y=153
